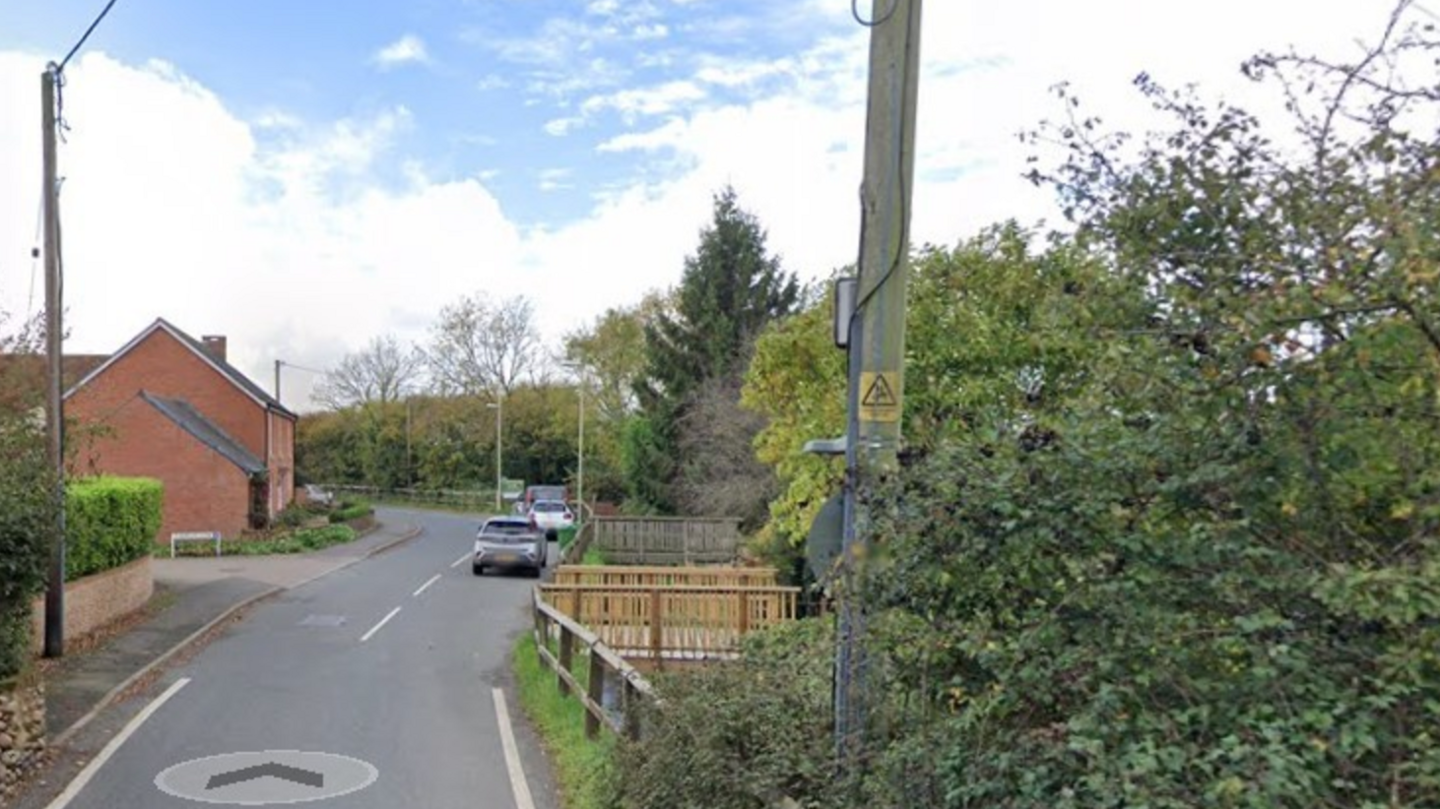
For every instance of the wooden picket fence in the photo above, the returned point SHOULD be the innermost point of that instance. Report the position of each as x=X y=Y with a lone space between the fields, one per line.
x=659 y=622
x=661 y=576
x=667 y=540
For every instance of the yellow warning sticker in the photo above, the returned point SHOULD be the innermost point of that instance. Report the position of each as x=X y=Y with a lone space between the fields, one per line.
x=879 y=396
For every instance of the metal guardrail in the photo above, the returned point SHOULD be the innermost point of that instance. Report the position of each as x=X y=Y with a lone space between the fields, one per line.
x=194 y=536
x=605 y=667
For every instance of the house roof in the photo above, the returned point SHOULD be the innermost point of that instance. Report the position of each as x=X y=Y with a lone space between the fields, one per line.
x=206 y=431
x=226 y=370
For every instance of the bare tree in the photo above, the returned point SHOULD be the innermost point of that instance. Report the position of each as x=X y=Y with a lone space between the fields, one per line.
x=481 y=346
x=384 y=371
x=721 y=476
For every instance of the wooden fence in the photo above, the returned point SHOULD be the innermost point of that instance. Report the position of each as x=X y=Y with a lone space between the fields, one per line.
x=667 y=540
x=609 y=674
x=653 y=576
x=673 y=622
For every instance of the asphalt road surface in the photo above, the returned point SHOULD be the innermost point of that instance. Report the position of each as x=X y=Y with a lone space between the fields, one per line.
x=393 y=663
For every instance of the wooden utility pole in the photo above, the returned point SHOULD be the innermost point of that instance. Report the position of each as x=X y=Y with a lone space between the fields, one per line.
x=877 y=331
x=54 y=403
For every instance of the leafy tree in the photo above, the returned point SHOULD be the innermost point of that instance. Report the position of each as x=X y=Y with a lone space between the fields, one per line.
x=731 y=288
x=384 y=371
x=611 y=354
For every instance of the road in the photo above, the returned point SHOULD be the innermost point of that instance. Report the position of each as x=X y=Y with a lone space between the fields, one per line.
x=394 y=661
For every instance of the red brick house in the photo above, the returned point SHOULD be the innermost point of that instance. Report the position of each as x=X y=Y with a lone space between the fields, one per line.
x=171 y=407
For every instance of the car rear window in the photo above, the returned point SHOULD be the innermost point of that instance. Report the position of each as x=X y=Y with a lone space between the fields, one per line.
x=506 y=527
x=549 y=508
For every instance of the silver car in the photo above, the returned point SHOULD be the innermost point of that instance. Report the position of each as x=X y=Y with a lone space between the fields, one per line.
x=509 y=543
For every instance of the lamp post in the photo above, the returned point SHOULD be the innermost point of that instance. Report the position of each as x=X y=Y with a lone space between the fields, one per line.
x=499 y=409
x=579 y=371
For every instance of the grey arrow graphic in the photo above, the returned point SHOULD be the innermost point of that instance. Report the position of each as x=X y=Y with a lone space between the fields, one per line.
x=270 y=770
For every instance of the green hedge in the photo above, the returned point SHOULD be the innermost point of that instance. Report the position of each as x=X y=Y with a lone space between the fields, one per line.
x=351 y=511
x=110 y=522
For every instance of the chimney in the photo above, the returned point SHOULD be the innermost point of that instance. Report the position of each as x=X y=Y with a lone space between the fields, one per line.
x=215 y=344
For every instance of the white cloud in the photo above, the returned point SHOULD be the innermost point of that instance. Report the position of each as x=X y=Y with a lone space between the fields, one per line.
x=555 y=179
x=405 y=50
x=659 y=100
x=492 y=81
x=559 y=127
x=650 y=31
x=279 y=233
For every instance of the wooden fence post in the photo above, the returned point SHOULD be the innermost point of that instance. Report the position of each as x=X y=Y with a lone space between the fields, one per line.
x=743 y=604
x=657 y=630
x=597 y=694
x=630 y=704
x=567 y=651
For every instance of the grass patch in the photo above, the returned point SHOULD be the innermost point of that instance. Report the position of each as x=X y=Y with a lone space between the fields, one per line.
x=582 y=767
x=593 y=556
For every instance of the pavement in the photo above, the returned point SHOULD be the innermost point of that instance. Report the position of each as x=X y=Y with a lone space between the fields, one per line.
x=205 y=591
x=393 y=664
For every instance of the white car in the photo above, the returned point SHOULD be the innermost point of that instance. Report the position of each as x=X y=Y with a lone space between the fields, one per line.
x=551 y=515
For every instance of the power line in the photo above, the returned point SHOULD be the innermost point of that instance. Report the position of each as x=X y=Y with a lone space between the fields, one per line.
x=881 y=20
x=86 y=36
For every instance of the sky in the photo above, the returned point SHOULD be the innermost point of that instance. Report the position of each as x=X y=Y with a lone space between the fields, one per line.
x=304 y=176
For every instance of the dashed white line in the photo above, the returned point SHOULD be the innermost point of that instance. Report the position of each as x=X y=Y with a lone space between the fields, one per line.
x=460 y=561
x=108 y=750
x=518 y=785
x=376 y=628
x=425 y=586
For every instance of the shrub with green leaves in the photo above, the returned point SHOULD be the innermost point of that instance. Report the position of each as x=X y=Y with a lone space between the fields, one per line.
x=351 y=510
x=109 y=522
x=741 y=735
x=25 y=534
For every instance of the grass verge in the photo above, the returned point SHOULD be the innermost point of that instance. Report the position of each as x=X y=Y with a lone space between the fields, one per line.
x=302 y=540
x=582 y=766
x=592 y=556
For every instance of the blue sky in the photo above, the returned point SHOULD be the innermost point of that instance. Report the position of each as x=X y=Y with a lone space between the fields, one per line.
x=480 y=79
x=304 y=175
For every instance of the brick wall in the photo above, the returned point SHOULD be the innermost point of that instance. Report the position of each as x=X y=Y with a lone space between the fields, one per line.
x=203 y=490
x=282 y=462
x=163 y=365
x=94 y=601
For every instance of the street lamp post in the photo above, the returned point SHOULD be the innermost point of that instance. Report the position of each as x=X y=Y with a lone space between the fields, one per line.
x=580 y=467
x=499 y=409
x=579 y=371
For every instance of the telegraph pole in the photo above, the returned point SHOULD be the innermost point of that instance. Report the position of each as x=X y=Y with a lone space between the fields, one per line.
x=877 y=332
x=54 y=403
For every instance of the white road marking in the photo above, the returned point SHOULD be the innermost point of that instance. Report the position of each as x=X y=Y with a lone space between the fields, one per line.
x=460 y=561
x=108 y=750
x=512 y=754
x=425 y=586
x=376 y=628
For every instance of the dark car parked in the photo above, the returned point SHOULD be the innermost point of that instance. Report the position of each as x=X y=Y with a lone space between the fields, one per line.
x=509 y=543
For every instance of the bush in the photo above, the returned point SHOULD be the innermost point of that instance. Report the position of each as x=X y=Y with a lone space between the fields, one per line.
x=25 y=484
x=742 y=735
x=301 y=541
x=351 y=510
x=294 y=515
x=110 y=522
